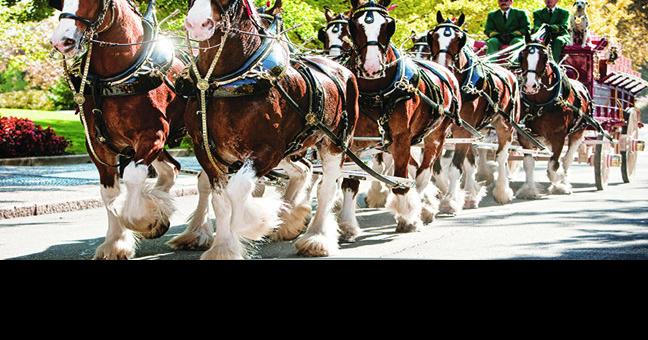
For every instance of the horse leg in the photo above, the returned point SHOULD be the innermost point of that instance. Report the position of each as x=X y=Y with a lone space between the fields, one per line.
x=199 y=233
x=427 y=190
x=475 y=192
x=348 y=222
x=145 y=209
x=454 y=200
x=529 y=190
x=297 y=196
x=405 y=203
x=575 y=141
x=377 y=194
x=120 y=242
x=503 y=193
x=555 y=172
x=240 y=216
x=321 y=237
x=167 y=169
x=440 y=173
x=485 y=171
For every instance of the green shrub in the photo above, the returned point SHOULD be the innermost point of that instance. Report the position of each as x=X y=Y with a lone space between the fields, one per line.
x=12 y=79
x=27 y=99
x=61 y=95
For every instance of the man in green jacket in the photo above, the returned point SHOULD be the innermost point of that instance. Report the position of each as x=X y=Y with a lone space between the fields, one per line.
x=505 y=26
x=557 y=21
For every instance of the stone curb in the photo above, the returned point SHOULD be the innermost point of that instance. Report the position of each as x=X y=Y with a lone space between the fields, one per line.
x=60 y=207
x=70 y=159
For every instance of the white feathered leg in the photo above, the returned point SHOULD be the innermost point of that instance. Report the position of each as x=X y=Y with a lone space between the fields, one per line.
x=120 y=243
x=199 y=232
x=251 y=218
x=428 y=193
x=528 y=191
x=475 y=192
x=321 y=237
x=503 y=193
x=453 y=201
x=144 y=209
x=378 y=193
x=297 y=196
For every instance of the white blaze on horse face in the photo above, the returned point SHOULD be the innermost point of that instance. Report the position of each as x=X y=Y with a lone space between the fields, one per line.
x=66 y=30
x=334 y=39
x=373 y=55
x=444 y=44
x=533 y=57
x=198 y=19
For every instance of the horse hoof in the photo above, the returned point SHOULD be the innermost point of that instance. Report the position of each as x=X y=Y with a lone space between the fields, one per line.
x=316 y=245
x=118 y=250
x=191 y=240
x=293 y=223
x=156 y=230
x=349 y=232
x=406 y=227
x=471 y=204
x=427 y=215
x=221 y=253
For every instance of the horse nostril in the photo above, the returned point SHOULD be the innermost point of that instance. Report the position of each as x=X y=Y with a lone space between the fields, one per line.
x=208 y=24
x=68 y=42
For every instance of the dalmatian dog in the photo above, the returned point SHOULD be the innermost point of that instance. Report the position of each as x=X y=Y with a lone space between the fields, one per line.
x=580 y=24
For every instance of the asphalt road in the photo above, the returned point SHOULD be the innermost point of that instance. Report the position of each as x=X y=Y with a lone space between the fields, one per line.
x=589 y=224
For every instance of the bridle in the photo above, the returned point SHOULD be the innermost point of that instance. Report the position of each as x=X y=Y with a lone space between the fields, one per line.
x=92 y=26
x=447 y=32
x=531 y=47
x=370 y=8
x=337 y=25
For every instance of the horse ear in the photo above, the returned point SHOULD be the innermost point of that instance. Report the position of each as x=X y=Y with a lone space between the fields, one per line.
x=328 y=13
x=391 y=28
x=56 y=4
x=321 y=35
x=276 y=8
x=385 y=3
x=413 y=37
x=352 y=29
x=527 y=38
x=462 y=19
x=428 y=38
x=440 y=19
x=355 y=4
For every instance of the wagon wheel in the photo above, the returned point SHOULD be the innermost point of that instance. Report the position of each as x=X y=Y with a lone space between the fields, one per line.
x=601 y=165
x=629 y=157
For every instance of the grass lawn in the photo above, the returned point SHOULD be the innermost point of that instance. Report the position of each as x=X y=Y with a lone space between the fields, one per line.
x=64 y=123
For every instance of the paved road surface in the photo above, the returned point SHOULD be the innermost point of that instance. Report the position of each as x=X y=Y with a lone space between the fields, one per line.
x=588 y=224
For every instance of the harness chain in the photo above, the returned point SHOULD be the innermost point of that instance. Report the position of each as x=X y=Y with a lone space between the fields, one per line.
x=203 y=85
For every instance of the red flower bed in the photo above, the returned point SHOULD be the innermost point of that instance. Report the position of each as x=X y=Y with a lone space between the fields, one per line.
x=22 y=138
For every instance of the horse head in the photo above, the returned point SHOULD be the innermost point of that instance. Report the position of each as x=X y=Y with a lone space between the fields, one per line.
x=205 y=17
x=335 y=36
x=534 y=60
x=79 y=21
x=371 y=29
x=447 y=40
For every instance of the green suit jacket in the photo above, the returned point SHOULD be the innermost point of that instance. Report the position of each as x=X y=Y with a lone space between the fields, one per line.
x=558 y=22
x=516 y=25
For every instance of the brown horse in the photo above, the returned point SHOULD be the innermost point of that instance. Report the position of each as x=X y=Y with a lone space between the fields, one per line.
x=261 y=110
x=555 y=108
x=420 y=48
x=129 y=110
x=335 y=36
x=489 y=95
x=393 y=93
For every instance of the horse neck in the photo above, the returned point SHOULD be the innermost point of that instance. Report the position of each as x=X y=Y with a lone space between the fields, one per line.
x=374 y=85
x=238 y=48
x=547 y=81
x=463 y=62
x=127 y=28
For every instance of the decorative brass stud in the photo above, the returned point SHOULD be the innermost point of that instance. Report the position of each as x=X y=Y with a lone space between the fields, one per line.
x=311 y=119
x=79 y=99
x=203 y=85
